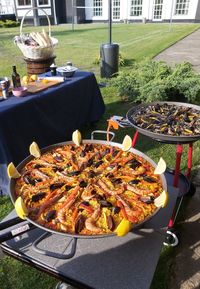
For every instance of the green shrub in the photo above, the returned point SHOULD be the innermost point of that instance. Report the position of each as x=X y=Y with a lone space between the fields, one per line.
x=155 y=81
x=122 y=60
x=8 y=23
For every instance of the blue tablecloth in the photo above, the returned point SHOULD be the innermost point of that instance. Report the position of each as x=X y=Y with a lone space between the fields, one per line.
x=47 y=117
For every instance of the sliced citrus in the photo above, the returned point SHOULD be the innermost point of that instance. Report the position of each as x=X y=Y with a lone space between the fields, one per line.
x=123 y=228
x=161 y=167
x=20 y=208
x=162 y=200
x=34 y=150
x=12 y=171
x=44 y=80
x=127 y=143
x=76 y=137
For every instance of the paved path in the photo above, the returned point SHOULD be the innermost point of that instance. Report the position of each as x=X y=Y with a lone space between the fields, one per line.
x=187 y=49
x=186 y=271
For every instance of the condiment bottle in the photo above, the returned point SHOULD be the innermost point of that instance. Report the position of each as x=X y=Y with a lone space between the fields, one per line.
x=15 y=78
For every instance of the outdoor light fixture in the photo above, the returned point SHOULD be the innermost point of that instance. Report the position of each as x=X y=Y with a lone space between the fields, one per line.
x=109 y=52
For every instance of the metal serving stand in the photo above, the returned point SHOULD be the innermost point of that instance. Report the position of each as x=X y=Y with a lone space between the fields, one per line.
x=103 y=263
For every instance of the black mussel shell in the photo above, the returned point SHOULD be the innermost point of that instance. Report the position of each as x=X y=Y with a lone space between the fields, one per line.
x=79 y=224
x=97 y=164
x=110 y=223
x=58 y=158
x=50 y=215
x=147 y=200
x=149 y=179
x=28 y=180
x=91 y=174
x=116 y=181
x=39 y=196
x=105 y=152
x=116 y=210
x=83 y=184
x=105 y=203
x=134 y=182
x=74 y=173
x=56 y=186
x=134 y=164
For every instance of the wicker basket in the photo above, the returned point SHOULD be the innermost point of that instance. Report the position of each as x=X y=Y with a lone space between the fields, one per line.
x=38 y=52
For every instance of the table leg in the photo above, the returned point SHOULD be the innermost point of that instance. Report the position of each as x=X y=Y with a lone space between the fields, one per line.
x=135 y=138
x=189 y=162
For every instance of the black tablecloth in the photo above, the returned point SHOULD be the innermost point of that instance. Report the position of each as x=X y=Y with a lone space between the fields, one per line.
x=47 y=117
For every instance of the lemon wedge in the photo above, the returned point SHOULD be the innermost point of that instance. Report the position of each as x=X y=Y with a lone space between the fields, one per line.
x=161 y=167
x=12 y=171
x=76 y=137
x=162 y=200
x=34 y=150
x=20 y=208
x=123 y=228
x=127 y=143
x=44 y=80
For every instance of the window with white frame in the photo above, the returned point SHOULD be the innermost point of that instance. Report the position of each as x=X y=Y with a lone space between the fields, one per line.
x=98 y=8
x=43 y=2
x=158 y=5
x=136 y=8
x=116 y=9
x=182 y=7
x=24 y=2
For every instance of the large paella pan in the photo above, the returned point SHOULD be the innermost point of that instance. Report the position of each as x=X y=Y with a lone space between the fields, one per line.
x=87 y=190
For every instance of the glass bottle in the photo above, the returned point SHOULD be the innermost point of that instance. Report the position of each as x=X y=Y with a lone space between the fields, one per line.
x=15 y=78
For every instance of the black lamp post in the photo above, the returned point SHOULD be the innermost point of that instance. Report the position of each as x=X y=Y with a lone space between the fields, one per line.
x=109 y=52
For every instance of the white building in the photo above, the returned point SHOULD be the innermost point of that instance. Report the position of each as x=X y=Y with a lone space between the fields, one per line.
x=7 y=7
x=63 y=11
x=144 y=10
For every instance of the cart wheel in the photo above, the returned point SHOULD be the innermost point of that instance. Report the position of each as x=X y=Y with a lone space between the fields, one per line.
x=171 y=238
x=62 y=285
x=192 y=190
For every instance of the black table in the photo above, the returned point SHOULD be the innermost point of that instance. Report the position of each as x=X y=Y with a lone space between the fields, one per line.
x=47 y=117
x=127 y=262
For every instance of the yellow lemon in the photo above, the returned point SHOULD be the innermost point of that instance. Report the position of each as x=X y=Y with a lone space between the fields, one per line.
x=161 y=167
x=34 y=150
x=123 y=228
x=25 y=79
x=20 y=208
x=44 y=80
x=34 y=77
x=162 y=200
x=12 y=171
x=76 y=137
x=127 y=143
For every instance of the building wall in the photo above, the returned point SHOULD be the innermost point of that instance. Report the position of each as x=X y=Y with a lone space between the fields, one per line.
x=168 y=9
x=7 y=7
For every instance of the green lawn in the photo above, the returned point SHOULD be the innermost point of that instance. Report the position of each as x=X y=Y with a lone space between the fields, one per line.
x=81 y=46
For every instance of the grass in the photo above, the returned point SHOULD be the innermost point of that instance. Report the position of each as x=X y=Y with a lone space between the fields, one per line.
x=81 y=46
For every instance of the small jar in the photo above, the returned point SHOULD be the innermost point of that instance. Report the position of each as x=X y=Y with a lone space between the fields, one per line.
x=53 y=68
x=4 y=88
